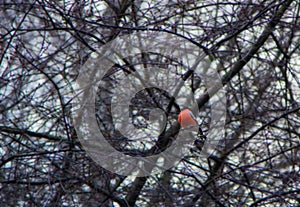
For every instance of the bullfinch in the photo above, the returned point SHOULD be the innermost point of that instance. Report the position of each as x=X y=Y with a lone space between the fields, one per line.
x=187 y=119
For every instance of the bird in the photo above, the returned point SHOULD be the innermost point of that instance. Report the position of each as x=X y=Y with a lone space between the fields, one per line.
x=186 y=120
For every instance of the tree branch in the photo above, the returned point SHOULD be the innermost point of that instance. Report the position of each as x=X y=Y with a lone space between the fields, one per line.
x=30 y=133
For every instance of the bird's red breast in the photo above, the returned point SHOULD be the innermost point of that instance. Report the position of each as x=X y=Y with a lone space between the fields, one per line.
x=186 y=118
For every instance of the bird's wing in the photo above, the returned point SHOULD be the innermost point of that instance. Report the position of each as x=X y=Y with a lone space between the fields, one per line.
x=192 y=115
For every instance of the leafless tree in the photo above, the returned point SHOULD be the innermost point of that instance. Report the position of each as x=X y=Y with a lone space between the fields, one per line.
x=255 y=46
